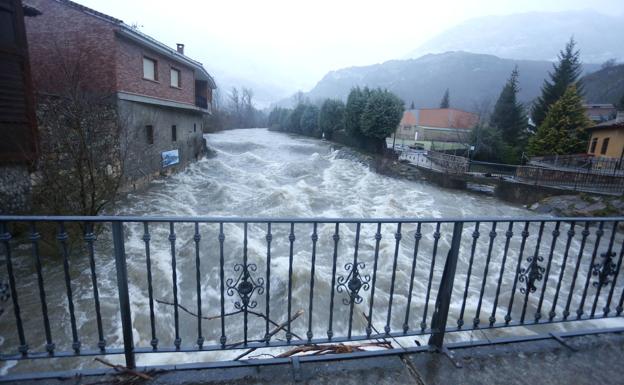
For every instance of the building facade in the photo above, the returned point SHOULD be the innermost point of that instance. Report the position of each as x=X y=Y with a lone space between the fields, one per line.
x=436 y=125
x=607 y=138
x=18 y=126
x=161 y=95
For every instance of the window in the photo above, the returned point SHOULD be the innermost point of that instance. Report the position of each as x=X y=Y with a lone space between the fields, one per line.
x=149 y=69
x=605 y=145
x=594 y=143
x=174 y=133
x=175 y=78
x=149 y=134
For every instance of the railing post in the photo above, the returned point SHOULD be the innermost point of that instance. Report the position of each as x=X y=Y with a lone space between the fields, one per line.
x=122 y=287
x=443 y=301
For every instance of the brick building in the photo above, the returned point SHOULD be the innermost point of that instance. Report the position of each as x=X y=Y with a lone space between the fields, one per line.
x=436 y=124
x=161 y=94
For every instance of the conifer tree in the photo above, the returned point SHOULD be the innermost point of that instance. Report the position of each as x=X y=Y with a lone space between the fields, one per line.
x=356 y=102
x=564 y=129
x=565 y=73
x=508 y=116
x=331 y=117
x=620 y=105
x=446 y=100
x=381 y=115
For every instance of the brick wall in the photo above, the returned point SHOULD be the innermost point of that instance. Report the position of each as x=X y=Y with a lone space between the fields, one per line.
x=63 y=37
x=130 y=74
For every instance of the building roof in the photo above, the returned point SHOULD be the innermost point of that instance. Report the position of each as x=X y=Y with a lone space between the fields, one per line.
x=617 y=123
x=599 y=105
x=440 y=118
x=145 y=40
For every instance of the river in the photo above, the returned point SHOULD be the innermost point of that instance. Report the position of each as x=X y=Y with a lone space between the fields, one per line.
x=258 y=173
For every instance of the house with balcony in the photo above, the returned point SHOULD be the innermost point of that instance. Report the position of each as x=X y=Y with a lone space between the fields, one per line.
x=161 y=95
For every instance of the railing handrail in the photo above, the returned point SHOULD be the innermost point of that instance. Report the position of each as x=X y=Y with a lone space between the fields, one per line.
x=581 y=255
x=209 y=219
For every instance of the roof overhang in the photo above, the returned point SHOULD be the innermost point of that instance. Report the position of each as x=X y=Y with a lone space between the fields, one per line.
x=160 y=102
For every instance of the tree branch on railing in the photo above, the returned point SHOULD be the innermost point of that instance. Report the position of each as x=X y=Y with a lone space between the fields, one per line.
x=271 y=334
x=214 y=317
x=377 y=331
x=260 y=315
x=124 y=370
x=333 y=349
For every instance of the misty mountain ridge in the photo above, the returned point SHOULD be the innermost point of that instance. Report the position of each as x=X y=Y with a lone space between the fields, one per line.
x=473 y=79
x=533 y=36
x=605 y=85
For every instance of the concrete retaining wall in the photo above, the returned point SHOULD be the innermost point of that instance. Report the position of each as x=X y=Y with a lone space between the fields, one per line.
x=143 y=161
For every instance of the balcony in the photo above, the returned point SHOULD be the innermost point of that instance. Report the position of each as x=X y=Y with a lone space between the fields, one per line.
x=203 y=95
x=201 y=101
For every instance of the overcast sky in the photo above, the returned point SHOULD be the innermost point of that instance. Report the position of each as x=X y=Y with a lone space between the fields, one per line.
x=297 y=42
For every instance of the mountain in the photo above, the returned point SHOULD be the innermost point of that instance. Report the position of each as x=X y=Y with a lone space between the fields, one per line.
x=471 y=78
x=534 y=36
x=605 y=85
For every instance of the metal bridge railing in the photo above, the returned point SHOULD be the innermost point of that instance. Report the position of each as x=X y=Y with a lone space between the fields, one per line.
x=565 y=178
x=189 y=284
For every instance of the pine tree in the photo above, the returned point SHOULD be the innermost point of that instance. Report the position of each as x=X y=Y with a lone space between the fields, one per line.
x=331 y=117
x=294 y=124
x=309 y=121
x=446 y=100
x=564 y=129
x=566 y=72
x=508 y=116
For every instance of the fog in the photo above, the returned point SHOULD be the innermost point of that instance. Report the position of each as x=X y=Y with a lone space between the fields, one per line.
x=284 y=46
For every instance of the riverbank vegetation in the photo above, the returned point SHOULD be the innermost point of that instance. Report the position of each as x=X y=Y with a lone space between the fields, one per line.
x=368 y=117
x=237 y=111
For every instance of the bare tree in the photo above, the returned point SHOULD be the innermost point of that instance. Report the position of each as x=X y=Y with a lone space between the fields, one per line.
x=235 y=105
x=247 y=108
x=81 y=164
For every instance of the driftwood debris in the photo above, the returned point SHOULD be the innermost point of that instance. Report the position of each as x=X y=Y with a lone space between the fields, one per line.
x=333 y=349
x=132 y=376
x=272 y=333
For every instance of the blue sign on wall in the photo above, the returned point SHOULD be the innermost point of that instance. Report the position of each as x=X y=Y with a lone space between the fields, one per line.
x=169 y=158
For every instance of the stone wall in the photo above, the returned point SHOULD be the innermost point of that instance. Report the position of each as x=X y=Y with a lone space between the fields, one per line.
x=15 y=189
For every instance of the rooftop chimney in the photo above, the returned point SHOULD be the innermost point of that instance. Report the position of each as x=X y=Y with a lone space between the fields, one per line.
x=180 y=48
